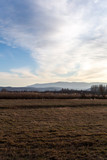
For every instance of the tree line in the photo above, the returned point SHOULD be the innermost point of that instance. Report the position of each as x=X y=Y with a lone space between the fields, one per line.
x=96 y=91
x=99 y=90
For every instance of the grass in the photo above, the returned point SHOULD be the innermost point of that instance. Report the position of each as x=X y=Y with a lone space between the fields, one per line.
x=37 y=103
x=50 y=95
x=53 y=129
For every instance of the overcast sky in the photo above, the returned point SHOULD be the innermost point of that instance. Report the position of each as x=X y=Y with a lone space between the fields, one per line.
x=50 y=40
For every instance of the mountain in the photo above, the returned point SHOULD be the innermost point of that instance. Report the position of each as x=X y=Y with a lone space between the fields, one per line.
x=20 y=89
x=16 y=88
x=69 y=85
x=54 y=86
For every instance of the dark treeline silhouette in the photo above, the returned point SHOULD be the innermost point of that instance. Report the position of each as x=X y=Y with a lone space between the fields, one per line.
x=96 y=91
x=99 y=90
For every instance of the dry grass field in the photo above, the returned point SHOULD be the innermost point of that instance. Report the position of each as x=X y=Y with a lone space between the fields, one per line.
x=49 y=129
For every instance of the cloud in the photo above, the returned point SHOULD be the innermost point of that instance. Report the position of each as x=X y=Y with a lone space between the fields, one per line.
x=23 y=72
x=17 y=77
x=66 y=38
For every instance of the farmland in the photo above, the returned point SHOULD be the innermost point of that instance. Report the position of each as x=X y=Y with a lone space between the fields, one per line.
x=53 y=129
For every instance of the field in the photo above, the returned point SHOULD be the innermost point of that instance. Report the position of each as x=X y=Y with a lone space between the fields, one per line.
x=53 y=129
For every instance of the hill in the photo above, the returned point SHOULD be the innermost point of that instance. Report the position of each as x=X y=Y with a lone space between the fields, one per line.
x=69 y=85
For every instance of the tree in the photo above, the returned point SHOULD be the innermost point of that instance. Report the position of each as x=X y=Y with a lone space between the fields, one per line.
x=102 y=90
x=99 y=90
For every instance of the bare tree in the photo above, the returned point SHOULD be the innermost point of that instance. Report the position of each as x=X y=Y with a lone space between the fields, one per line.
x=102 y=90
x=99 y=90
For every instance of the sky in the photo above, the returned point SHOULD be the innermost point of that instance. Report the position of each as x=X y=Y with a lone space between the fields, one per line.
x=45 y=41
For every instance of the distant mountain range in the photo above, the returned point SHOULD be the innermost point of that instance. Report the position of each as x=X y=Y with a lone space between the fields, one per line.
x=29 y=89
x=54 y=86
x=69 y=85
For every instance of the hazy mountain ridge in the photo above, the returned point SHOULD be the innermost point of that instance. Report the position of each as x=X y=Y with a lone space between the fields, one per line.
x=54 y=86
x=69 y=85
x=20 y=89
